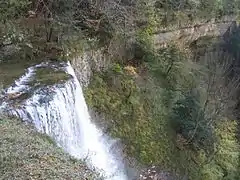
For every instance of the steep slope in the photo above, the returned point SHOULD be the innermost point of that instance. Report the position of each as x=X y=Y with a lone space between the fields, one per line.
x=170 y=106
x=27 y=154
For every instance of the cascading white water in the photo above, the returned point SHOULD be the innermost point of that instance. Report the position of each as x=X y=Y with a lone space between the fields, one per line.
x=61 y=112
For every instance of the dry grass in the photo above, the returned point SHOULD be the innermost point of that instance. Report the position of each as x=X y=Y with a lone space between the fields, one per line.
x=26 y=154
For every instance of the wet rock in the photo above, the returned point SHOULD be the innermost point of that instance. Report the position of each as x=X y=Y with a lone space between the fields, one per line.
x=155 y=173
x=13 y=95
x=90 y=61
x=39 y=79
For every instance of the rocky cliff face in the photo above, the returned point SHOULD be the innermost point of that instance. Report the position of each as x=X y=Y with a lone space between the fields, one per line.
x=90 y=61
x=189 y=34
x=97 y=60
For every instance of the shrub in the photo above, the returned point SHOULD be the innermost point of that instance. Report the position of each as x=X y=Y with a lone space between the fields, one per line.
x=188 y=120
x=224 y=164
x=13 y=9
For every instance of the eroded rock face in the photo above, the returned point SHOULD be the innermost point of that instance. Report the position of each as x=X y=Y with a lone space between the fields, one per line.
x=189 y=34
x=97 y=60
x=90 y=61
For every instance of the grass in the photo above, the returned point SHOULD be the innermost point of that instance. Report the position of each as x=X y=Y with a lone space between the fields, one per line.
x=27 y=154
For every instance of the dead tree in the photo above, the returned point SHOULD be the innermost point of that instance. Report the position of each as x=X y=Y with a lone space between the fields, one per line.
x=220 y=88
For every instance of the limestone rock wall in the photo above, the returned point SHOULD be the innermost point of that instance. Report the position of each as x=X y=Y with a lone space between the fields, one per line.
x=90 y=61
x=97 y=60
x=188 y=34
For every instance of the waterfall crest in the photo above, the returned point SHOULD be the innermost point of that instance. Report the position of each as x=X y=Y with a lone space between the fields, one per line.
x=61 y=112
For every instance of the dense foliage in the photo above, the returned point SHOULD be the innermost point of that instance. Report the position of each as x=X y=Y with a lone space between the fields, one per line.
x=170 y=108
x=60 y=27
x=189 y=120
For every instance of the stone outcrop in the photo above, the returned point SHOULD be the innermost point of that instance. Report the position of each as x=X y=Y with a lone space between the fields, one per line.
x=90 y=61
x=189 y=34
x=97 y=60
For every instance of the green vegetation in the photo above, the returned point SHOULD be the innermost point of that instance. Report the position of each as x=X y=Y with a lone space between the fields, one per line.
x=122 y=100
x=26 y=154
x=138 y=106
x=224 y=164
x=189 y=121
x=169 y=111
x=13 y=9
x=171 y=14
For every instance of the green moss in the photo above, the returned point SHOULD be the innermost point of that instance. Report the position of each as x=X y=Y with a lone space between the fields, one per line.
x=49 y=76
x=10 y=71
x=26 y=154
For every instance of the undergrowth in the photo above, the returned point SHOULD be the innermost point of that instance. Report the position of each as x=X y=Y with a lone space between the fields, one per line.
x=129 y=110
x=148 y=108
x=137 y=106
x=225 y=163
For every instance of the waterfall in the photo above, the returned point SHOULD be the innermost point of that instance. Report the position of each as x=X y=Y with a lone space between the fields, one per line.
x=61 y=112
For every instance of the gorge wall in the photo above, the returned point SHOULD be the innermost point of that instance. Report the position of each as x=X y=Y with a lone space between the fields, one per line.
x=116 y=79
x=99 y=60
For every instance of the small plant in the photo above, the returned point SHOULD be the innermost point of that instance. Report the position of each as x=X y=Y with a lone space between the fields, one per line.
x=117 y=68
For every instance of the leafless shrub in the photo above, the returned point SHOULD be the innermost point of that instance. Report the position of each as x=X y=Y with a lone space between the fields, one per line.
x=219 y=86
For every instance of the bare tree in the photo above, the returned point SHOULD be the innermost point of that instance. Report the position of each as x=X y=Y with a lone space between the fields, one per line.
x=219 y=87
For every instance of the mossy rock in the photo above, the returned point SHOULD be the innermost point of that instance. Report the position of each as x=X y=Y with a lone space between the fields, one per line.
x=49 y=76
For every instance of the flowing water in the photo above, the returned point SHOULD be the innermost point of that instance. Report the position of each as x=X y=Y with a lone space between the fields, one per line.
x=61 y=112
